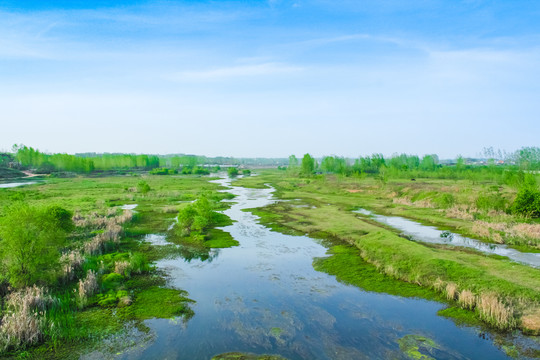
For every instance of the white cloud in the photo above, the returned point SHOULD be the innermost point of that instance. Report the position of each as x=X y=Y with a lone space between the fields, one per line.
x=251 y=70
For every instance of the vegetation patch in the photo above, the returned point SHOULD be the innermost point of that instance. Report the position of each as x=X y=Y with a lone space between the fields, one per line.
x=220 y=239
x=418 y=347
x=348 y=266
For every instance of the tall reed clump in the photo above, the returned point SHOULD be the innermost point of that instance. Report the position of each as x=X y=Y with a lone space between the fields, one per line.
x=494 y=312
x=136 y=264
x=488 y=306
x=111 y=233
x=71 y=262
x=24 y=320
x=466 y=299
x=87 y=287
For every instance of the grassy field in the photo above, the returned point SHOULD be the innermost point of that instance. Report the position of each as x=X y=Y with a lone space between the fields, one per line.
x=499 y=292
x=128 y=289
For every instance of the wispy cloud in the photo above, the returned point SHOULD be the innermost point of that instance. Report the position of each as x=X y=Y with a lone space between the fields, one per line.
x=240 y=71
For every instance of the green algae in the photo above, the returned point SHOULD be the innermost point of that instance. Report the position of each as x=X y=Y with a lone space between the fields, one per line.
x=275 y=331
x=158 y=302
x=461 y=316
x=418 y=347
x=218 y=238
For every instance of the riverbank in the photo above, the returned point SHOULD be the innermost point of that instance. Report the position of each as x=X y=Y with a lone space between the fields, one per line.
x=497 y=291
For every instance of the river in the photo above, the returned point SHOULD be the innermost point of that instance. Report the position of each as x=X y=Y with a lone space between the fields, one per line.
x=265 y=297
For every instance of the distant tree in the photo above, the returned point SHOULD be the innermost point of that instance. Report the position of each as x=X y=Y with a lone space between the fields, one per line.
x=428 y=163
x=232 y=171
x=293 y=162
x=308 y=165
x=460 y=163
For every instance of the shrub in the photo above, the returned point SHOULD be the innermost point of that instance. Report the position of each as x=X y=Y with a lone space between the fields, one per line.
x=446 y=201
x=30 y=243
x=111 y=281
x=232 y=171
x=198 y=216
x=527 y=203
x=491 y=201
x=143 y=187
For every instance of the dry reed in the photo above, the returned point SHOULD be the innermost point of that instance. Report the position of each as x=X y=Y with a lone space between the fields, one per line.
x=70 y=263
x=24 y=318
x=122 y=268
x=451 y=291
x=494 y=312
x=402 y=201
x=87 y=288
x=466 y=299
x=457 y=212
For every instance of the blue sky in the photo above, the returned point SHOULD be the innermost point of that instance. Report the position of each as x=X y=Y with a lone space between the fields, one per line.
x=270 y=78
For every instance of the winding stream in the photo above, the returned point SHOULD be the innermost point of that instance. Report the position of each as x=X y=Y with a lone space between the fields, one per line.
x=16 y=184
x=430 y=234
x=265 y=297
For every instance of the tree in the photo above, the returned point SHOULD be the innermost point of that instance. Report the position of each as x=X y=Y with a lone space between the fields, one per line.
x=30 y=244
x=308 y=165
x=198 y=217
x=293 y=162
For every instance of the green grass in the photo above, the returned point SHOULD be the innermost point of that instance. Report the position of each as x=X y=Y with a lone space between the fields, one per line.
x=348 y=266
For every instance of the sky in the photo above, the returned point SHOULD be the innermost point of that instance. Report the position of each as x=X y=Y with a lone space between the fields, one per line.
x=270 y=78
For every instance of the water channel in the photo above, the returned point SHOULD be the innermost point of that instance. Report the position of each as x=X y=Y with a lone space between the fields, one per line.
x=265 y=297
x=430 y=234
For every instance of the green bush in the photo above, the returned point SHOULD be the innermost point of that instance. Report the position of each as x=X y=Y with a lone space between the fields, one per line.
x=196 y=217
x=143 y=187
x=63 y=217
x=232 y=171
x=163 y=171
x=111 y=281
x=445 y=201
x=491 y=201
x=30 y=243
x=527 y=203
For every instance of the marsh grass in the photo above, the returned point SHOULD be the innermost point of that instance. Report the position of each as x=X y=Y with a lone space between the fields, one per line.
x=466 y=299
